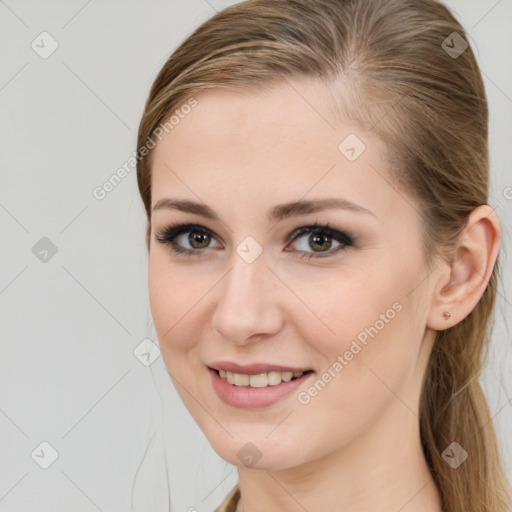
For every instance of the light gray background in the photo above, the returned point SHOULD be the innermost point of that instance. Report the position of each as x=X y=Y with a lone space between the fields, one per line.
x=69 y=325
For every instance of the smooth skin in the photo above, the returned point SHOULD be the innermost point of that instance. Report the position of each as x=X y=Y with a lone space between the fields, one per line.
x=356 y=445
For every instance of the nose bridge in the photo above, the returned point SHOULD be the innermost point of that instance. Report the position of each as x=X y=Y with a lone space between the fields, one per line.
x=246 y=304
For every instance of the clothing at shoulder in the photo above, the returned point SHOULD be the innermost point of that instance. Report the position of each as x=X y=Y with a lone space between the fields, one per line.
x=231 y=501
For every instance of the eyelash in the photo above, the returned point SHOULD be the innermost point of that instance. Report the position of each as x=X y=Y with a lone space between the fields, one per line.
x=168 y=235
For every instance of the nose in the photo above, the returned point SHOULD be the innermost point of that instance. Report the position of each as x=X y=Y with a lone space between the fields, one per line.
x=248 y=307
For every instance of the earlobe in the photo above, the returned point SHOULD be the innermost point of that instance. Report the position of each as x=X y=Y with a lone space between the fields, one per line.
x=463 y=280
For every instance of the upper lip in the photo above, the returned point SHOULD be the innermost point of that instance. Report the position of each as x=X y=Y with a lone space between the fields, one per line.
x=254 y=368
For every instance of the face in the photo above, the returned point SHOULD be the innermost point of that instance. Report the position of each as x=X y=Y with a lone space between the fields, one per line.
x=338 y=290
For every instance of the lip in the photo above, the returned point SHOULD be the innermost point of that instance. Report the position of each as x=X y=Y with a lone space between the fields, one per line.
x=247 y=397
x=254 y=368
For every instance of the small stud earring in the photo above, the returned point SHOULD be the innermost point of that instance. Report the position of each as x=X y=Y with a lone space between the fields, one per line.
x=447 y=315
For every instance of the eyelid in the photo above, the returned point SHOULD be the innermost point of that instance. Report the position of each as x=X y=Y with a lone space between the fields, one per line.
x=342 y=238
x=170 y=233
x=322 y=228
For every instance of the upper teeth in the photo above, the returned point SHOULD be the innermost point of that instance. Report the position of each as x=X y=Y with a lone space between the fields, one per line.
x=261 y=380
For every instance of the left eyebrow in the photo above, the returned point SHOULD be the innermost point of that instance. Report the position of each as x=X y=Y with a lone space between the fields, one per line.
x=295 y=208
x=277 y=213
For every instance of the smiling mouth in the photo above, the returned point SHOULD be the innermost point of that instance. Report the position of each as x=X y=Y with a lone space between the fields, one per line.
x=260 y=380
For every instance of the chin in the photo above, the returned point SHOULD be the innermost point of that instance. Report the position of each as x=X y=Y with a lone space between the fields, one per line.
x=259 y=452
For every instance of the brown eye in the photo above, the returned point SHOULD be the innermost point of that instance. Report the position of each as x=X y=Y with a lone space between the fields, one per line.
x=320 y=241
x=177 y=237
x=200 y=238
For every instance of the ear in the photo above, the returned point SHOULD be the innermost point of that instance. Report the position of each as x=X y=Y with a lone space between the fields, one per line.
x=463 y=280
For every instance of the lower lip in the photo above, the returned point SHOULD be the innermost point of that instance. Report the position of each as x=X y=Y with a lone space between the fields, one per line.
x=245 y=396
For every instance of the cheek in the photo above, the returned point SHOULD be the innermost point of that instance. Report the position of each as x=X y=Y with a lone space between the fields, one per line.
x=172 y=300
x=178 y=299
x=367 y=328
x=349 y=304
x=371 y=356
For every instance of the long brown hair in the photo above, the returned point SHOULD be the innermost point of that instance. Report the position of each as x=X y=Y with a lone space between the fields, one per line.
x=397 y=67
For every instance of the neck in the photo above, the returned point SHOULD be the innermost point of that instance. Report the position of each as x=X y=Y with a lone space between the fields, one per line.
x=384 y=469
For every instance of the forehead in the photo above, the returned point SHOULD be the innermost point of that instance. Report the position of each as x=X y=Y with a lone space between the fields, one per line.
x=260 y=126
x=280 y=144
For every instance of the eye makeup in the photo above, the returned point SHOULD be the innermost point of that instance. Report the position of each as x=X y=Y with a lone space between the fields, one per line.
x=171 y=234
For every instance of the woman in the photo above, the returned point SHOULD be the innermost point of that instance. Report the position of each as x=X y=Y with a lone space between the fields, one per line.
x=322 y=257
